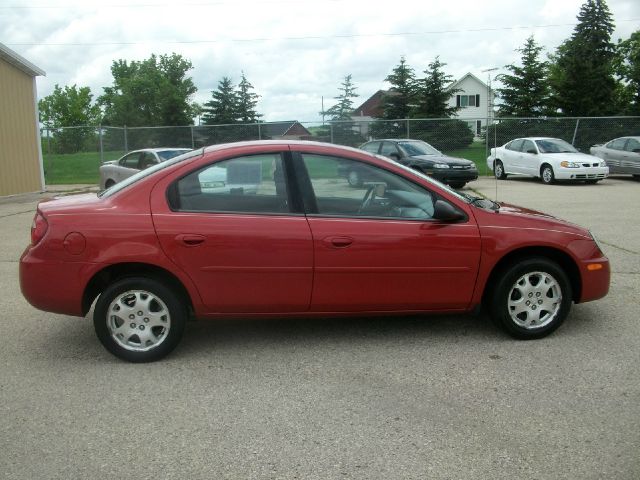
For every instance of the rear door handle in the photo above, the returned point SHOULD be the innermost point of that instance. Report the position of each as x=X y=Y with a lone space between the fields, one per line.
x=190 y=240
x=337 y=242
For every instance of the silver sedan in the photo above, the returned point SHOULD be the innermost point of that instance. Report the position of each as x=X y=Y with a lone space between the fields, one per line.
x=117 y=170
x=621 y=154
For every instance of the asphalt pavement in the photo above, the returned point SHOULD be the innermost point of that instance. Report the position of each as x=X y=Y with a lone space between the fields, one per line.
x=448 y=397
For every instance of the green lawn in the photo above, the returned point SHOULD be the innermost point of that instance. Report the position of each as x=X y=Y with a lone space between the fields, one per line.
x=74 y=168
x=476 y=152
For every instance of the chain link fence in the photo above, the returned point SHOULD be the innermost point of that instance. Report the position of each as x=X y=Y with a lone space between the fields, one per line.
x=72 y=155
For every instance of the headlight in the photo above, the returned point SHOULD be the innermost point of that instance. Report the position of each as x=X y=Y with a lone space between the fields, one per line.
x=440 y=165
x=570 y=164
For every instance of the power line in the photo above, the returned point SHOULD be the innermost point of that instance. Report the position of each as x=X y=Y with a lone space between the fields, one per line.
x=313 y=37
x=143 y=5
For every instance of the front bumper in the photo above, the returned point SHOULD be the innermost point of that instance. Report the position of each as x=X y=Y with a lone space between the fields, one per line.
x=582 y=173
x=447 y=175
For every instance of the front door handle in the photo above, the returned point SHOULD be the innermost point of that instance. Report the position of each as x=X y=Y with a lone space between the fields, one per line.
x=190 y=240
x=337 y=242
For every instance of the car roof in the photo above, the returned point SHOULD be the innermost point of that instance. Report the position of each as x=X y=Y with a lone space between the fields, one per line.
x=160 y=149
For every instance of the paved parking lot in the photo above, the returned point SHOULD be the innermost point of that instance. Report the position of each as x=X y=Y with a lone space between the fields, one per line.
x=437 y=397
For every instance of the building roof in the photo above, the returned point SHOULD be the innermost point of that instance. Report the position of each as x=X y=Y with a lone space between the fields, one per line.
x=19 y=62
x=372 y=107
x=457 y=82
x=280 y=129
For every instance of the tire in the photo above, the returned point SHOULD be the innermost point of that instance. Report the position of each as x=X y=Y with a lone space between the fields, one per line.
x=546 y=175
x=109 y=183
x=636 y=178
x=154 y=323
x=591 y=182
x=549 y=302
x=457 y=184
x=498 y=170
x=354 y=178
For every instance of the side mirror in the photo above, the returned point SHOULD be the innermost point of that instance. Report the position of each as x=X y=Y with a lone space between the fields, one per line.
x=531 y=150
x=446 y=212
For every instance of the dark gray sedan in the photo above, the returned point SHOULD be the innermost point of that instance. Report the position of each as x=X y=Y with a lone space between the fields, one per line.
x=421 y=156
x=622 y=155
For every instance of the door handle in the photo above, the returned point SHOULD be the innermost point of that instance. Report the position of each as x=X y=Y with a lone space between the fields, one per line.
x=190 y=240
x=337 y=242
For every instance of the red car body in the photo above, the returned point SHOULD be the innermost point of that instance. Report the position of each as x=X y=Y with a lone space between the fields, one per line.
x=239 y=264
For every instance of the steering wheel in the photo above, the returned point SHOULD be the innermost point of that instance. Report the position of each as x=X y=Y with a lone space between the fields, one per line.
x=367 y=199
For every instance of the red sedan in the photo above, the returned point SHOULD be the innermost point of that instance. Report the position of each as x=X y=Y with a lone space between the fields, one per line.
x=275 y=229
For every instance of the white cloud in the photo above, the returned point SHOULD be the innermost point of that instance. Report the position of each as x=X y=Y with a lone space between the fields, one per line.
x=290 y=75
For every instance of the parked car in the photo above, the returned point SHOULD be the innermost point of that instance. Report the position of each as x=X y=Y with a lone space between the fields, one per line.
x=117 y=170
x=621 y=154
x=159 y=247
x=420 y=156
x=549 y=159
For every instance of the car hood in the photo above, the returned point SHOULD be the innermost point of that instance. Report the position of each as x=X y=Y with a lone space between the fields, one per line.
x=441 y=159
x=571 y=157
x=110 y=162
x=514 y=216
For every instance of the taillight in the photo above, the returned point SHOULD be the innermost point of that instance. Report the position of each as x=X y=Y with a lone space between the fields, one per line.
x=38 y=228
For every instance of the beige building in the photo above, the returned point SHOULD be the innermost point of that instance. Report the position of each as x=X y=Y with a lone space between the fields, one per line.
x=21 y=169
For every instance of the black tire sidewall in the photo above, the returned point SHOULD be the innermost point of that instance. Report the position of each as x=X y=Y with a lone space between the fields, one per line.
x=176 y=307
x=499 y=298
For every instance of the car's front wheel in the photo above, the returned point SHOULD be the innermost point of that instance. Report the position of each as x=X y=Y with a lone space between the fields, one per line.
x=531 y=298
x=139 y=319
x=498 y=170
x=109 y=183
x=547 y=175
x=457 y=184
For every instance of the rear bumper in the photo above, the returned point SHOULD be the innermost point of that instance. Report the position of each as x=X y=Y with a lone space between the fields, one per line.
x=53 y=286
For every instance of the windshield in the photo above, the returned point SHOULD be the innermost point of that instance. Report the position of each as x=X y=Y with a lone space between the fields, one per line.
x=167 y=154
x=418 y=148
x=555 y=145
x=149 y=171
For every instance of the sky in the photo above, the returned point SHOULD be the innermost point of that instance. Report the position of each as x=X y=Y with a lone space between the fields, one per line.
x=294 y=52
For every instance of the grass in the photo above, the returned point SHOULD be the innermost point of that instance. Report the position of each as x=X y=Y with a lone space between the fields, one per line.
x=476 y=152
x=74 y=168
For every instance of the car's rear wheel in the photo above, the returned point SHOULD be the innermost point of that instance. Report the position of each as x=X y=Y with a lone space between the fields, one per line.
x=498 y=170
x=591 y=182
x=457 y=184
x=139 y=319
x=547 y=175
x=531 y=298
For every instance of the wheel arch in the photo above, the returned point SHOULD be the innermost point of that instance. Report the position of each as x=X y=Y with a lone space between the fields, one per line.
x=117 y=271
x=563 y=259
x=544 y=164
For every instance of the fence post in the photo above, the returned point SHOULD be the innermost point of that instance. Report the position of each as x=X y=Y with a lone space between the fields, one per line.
x=193 y=142
x=575 y=132
x=101 y=145
x=331 y=130
x=126 y=142
x=259 y=131
x=408 y=130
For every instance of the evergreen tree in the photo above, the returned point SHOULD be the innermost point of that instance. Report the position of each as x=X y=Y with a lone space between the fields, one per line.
x=344 y=108
x=526 y=91
x=581 y=73
x=397 y=103
x=223 y=106
x=432 y=95
x=627 y=68
x=247 y=101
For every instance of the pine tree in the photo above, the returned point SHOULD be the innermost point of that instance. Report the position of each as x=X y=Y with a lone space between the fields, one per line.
x=223 y=106
x=247 y=101
x=432 y=96
x=344 y=108
x=581 y=73
x=397 y=103
x=526 y=91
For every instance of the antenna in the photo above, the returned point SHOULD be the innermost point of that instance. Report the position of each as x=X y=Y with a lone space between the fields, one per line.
x=490 y=118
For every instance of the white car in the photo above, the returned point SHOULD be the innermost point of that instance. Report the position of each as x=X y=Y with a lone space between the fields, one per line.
x=621 y=154
x=117 y=170
x=550 y=159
